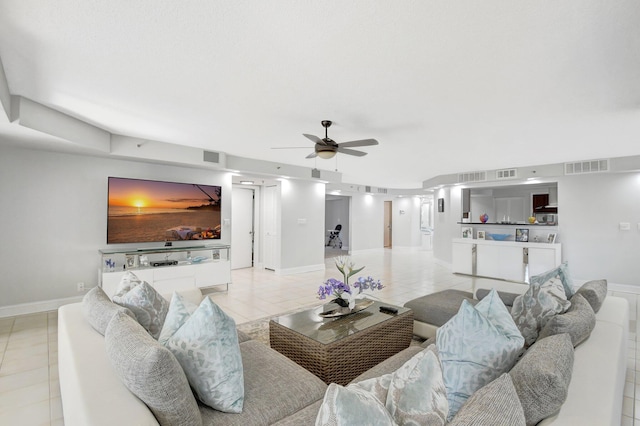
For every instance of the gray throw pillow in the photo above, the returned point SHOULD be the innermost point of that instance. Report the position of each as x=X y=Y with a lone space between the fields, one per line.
x=151 y=372
x=149 y=307
x=542 y=377
x=579 y=321
x=98 y=309
x=595 y=292
x=506 y=297
x=495 y=404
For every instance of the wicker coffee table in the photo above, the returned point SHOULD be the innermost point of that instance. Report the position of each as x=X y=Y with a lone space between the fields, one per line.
x=338 y=350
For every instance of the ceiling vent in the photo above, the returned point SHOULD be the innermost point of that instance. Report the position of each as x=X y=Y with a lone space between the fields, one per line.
x=212 y=157
x=507 y=174
x=472 y=177
x=382 y=190
x=315 y=173
x=582 y=167
x=367 y=189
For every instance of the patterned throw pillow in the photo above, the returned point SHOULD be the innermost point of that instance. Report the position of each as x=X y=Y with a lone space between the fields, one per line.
x=149 y=307
x=414 y=394
x=495 y=404
x=179 y=312
x=537 y=306
x=561 y=273
x=579 y=321
x=150 y=372
x=476 y=346
x=206 y=346
x=127 y=282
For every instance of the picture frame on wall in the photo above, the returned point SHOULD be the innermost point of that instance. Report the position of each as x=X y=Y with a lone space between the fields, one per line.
x=522 y=235
x=440 y=205
x=467 y=232
x=551 y=238
x=481 y=235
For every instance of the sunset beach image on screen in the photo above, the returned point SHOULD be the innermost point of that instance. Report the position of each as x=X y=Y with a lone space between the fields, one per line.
x=153 y=211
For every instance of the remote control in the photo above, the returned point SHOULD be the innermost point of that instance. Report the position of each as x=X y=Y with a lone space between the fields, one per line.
x=388 y=310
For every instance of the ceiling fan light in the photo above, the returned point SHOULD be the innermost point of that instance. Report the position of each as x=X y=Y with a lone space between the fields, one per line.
x=326 y=154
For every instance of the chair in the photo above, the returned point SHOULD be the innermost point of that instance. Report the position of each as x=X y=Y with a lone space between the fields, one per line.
x=334 y=237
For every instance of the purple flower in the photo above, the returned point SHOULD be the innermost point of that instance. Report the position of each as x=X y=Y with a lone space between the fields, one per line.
x=333 y=287
x=367 y=284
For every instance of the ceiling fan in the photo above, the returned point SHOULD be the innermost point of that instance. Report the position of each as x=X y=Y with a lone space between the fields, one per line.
x=327 y=148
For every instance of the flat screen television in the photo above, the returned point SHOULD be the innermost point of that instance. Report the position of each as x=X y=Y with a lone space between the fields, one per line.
x=146 y=211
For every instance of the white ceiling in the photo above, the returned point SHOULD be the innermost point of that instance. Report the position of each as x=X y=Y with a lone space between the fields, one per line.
x=444 y=86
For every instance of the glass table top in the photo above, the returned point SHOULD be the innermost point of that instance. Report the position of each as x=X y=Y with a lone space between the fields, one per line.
x=329 y=330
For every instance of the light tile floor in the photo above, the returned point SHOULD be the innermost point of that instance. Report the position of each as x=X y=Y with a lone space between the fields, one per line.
x=29 y=386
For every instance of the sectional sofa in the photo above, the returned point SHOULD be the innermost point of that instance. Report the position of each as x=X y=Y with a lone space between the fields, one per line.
x=278 y=391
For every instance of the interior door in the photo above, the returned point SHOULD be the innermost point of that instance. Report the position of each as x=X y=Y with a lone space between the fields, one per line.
x=387 y=223
x=270 y=227
x=242 y=227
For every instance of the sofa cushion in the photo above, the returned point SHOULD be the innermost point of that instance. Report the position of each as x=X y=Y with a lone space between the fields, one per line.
x=98 y=309
x=178 y=313
x=561 y=273
x=595 y=292
x=206 y=346
x=150 y=372
x=306 y=416
x=414 y=394
x=275 y=388
x=540 y=303
x=579 y=321
x=507 y=298
x=495 y=404
x=149 y=307
x=390 y=364
x=542 y=377
x=438 y=308
x=476 y=346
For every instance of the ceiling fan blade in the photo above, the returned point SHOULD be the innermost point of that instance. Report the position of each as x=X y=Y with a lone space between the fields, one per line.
x=363 y=142
x=289 y=147
x=314 y=139
x=351 y=152
x=312 y=155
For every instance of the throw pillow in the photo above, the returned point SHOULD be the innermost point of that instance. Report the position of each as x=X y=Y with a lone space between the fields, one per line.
x=98 y=309
x=150 y=372
x=540 y=303
x=542 y=377
x=414 y=394
x=579 y=321
x=149 y=307
x=595 y=292
x=179 y=312
x=127 y=282
x=495 y=404
x=476 y=346
x=561 y=273
x=207 y=348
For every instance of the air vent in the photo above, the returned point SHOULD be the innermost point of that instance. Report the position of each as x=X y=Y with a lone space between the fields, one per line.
x=507 y=174
x=212 y=157
x=367 y=189
x=582 y=167
x=472 y=177
x=315 y=173
x=382 y=190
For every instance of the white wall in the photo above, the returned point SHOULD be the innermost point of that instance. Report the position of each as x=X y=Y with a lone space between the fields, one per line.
x=54 y=217
x=302 y=226
x=337 y=212
x=367 y=222
x=446 y=223
x=406 y=222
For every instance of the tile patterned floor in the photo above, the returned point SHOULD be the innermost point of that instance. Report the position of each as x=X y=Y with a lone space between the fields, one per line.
x=29 y=386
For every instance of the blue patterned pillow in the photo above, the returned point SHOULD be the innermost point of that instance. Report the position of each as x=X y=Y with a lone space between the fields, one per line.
x=413 y=394
x=149 y=307
x=476 y=346
x=541 y=302
x=179 y=312
x=561 y=273
x=207 y=348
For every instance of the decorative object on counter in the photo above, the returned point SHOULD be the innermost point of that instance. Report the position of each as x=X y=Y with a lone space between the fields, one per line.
x=484 y=218
x=440 y=205
x=551 y=238
x=505 y=219
x=344 y=296
x=522 y=235
x=532 y=219
x=499 y=237
x=467 y=232
x=481 y=235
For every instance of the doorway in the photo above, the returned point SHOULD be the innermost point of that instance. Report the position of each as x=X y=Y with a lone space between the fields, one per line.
x=242 y=229
x=337 y=221
x=388 y=209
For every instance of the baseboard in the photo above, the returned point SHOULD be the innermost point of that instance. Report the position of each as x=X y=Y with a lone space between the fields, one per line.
x=300 y=269
x=36 y=307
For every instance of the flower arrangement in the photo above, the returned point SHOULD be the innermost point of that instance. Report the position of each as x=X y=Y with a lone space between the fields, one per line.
x=343 y=294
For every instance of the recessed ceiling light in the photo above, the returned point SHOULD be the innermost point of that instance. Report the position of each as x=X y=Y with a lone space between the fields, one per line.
x=246 y=182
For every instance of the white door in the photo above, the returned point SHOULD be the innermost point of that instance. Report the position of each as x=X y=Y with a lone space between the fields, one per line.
x=242 y=228
x=270 y=227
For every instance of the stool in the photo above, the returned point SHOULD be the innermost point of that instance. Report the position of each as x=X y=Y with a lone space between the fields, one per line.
x=433 y=310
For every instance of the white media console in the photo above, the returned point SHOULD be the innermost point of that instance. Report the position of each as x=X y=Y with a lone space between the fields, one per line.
x=167 y=268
